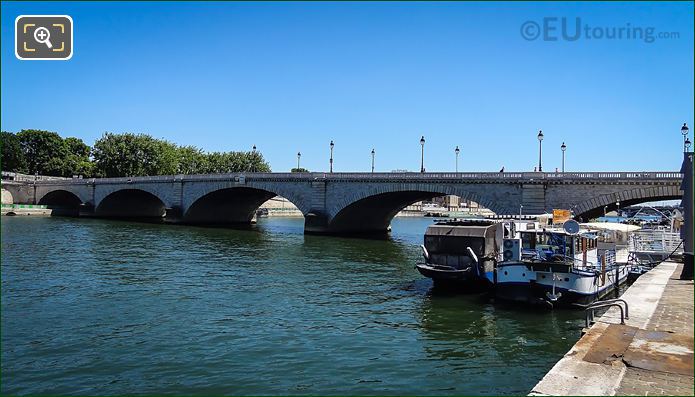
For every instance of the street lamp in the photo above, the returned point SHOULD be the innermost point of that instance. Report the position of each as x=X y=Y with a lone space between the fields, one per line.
x=540 y=150
x=457 y=151
x=253 y=163
x=521 y=210
x=373 y=161
x=605 y=209
x=687 y=144
x=299 y=156
x=617 y=208
x=422 y=154
x=563 y=148
x=331 y=162
x=684 y=131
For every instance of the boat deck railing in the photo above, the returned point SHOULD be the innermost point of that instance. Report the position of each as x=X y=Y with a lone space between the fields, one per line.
x=655 y=241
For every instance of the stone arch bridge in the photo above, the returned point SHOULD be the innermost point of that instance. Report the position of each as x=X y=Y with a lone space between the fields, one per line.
x=345 y=202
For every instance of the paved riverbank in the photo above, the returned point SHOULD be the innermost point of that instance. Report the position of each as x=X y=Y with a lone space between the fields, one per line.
x=25 y=209
x=652 y=353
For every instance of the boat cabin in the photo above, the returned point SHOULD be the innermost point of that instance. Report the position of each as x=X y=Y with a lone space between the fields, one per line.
x=552 y=245
x=473 y=244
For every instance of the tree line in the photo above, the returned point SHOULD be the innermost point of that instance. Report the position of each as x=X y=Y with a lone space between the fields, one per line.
x=116 y=155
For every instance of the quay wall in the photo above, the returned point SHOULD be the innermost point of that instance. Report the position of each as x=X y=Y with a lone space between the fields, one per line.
x=651 y=353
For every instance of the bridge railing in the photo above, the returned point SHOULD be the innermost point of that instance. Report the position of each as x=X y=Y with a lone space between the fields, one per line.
x=380 y=176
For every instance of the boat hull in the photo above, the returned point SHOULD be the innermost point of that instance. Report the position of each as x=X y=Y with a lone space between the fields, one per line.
x=452 y=277
x=521 y=284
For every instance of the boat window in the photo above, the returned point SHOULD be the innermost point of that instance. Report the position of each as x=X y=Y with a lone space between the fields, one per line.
x=528 y=240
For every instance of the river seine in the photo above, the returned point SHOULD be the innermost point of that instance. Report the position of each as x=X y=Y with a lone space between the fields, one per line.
x=109 y=307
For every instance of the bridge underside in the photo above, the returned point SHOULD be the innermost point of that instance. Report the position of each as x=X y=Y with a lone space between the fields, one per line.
x=598 y=211
x=227 y=206
x=132 y=204
x=371 y=215
x=62 y=202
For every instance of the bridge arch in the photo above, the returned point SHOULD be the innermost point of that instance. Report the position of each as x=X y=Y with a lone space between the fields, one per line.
x=228 y=202
x=46 y=195
x=131 y=203
x=371 y=210
x=60 y=199
x=594 y=207
x=227 y=205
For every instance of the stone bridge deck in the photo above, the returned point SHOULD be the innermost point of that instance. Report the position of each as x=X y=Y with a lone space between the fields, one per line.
x=346 y=202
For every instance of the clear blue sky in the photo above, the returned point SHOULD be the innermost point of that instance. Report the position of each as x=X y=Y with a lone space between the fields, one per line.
x=290 y=77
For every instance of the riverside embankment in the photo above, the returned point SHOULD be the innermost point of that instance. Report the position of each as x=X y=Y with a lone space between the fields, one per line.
x=651 y=354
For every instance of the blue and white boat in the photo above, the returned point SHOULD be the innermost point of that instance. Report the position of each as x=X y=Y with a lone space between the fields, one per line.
x=557 y=267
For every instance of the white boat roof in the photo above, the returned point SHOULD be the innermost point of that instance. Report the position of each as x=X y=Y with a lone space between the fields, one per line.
x=620 y=227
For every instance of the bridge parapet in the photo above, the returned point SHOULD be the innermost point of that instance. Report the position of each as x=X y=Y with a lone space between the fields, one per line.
x=494 y=177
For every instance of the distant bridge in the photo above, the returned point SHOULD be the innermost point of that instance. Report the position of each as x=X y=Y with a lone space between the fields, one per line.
x=344 y=202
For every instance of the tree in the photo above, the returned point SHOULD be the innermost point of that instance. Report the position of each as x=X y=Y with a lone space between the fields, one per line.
x=12 y=156
x=257 y=163
x=299 y=170
x=117 y=155
x=191 y=160
x=45 y=152
x=77 y=161
x=223 y=162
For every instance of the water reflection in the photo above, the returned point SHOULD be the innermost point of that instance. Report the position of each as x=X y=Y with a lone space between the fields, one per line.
x=107 y=307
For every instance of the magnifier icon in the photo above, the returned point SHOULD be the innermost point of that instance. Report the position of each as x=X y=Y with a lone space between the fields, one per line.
x=43 y=35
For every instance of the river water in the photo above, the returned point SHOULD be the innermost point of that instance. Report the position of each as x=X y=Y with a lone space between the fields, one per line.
x=108 y=307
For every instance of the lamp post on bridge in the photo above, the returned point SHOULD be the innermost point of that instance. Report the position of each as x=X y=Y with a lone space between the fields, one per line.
x=563 y=148
x=253 y=166
x=422 y=154
x=299 y=156
x=684 y=131
x=687 y=145
x=540 y=150
x=457 y=151
x=373 y=160
x=331 y=161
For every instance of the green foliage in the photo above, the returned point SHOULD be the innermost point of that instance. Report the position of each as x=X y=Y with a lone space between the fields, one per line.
x=117 y=155
x=134 y=155
x=76 y=161
x=191 y=161
x=44 y=150
x=46 y=153
x=236 y=162
x=12 y=157
x=299 y=170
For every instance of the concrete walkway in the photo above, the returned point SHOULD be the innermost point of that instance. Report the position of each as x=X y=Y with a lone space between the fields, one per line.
x=651 y=354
